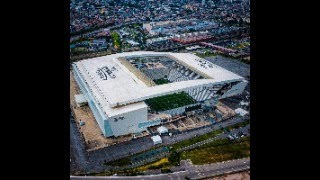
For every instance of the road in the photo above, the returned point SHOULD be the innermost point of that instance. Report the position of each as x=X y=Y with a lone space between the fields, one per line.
x=92 y=161
x=192 y=172
x=80 y=161
x=219 y=136
x=78 y=153
x=192 y=133
x=210 y=170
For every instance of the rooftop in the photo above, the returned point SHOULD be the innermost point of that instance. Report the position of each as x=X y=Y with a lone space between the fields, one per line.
x=113 y=85
x=156 y=138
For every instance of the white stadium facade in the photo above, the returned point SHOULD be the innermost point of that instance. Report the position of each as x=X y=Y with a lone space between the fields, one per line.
x=118 y=86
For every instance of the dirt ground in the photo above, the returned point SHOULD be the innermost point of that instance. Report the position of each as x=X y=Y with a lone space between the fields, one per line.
x=91 y=130
x=183 y=124
x=226 y=111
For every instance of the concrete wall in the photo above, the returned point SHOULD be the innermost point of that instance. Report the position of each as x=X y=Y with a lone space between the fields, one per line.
x=129 y=122
x=110 y=127
x=178 y=111
x=97 y=112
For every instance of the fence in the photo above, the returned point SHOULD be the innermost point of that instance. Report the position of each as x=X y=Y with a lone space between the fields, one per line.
x=137 y=164
x=192 y=146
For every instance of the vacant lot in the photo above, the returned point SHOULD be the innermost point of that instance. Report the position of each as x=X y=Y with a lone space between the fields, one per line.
x=194 y=140
x=217 y=151
x=155 y=165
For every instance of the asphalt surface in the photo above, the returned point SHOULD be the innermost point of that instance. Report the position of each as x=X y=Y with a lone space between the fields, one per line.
x=78 y=154
x=192 y=133
x=232 y=65
x=87 y=162
x=83 y=161
x=192 y=171
x=121 y=150
x=245 y=130
x=210 y=170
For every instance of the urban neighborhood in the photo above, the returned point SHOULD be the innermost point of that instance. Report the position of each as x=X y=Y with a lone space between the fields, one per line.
x=160 y=89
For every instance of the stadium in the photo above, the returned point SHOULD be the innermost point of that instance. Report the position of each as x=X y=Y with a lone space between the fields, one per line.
x=129 y=92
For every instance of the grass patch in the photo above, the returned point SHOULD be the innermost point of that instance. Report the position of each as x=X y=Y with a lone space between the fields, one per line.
x=161 y=81
x=207 y=54
x=116 y=40
x=217 y=151
x=120 y=162
x=170 y=101
x=238 y=125
x=164 y=164
x=174 y=159
x=138 y=157
x=154 y=165
x=166 y=170
x=195 y=139
x=149 y=154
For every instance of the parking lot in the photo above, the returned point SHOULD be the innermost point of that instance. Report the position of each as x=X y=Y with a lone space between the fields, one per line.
x=232 y=65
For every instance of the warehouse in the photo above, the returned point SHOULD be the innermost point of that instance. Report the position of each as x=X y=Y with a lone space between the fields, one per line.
x=121 y=92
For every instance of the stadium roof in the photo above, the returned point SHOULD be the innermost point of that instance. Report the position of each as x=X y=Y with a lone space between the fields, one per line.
x=119 y=86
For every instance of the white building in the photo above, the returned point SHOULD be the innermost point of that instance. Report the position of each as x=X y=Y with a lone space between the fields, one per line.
x=132 y=42
x=242 y=103
x=116 y=94
x=241 y=111
x=156 y=139
x=162 y=130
